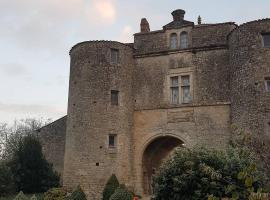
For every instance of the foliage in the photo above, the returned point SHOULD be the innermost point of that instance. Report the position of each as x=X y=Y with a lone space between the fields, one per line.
x=55 y=194
x=32 y=173
x=121 y=193
x=33 y=197
x=6 y=180
x=110 y=187
x=197 y=173
x=11 y=135
x=77 y=194
x=20 y=196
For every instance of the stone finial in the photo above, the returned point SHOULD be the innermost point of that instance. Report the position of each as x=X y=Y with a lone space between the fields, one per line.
x=178 y=15
x=199 y=20
x=145 y=25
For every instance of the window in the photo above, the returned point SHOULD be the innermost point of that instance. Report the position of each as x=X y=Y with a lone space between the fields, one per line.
x=185 y=88
x=267 y=84
x=114 y=56
x=114 y=97
x=173 y=41
x=266 y=39
x=174 y=90
x=112 y=141
x=183 y=40
x=180 y=84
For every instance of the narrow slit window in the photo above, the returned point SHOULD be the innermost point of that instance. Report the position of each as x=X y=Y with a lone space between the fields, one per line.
x=114 y=56
x=266 y=39
x=114 y=97
x=267 y=84
x=174 y=90
x=173 y=41
x=183 y=40
x=112 y=141
x=185 y=88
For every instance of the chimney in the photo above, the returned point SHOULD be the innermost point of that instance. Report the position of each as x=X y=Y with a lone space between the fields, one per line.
x=178 y=15
x=145 y=26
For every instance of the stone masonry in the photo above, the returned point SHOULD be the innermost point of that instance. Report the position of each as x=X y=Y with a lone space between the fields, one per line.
x=131 y=104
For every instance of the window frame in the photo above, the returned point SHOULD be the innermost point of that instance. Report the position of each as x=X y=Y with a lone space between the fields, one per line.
x=173 y=35
x=114 y=59
x=267 y=34
x=114 y=97
x=114 y=136
x=180 y=88
x=183 y=45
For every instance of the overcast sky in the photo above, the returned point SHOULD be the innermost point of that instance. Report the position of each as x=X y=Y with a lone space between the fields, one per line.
x=36 y=36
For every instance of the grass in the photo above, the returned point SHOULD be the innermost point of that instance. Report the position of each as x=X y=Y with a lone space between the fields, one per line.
x=11 y=197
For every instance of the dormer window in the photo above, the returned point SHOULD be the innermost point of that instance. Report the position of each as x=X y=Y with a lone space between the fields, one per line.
x=266 y=39
x=183 y=40
x=173 y=41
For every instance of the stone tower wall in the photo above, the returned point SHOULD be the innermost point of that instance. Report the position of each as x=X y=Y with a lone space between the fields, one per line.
x=250 y=64
x=91 y=118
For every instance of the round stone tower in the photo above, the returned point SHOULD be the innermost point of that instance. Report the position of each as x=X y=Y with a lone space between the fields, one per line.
x=250 y=70
x=100 y=107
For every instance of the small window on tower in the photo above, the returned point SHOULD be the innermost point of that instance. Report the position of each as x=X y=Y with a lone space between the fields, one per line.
x=266 y=39
x=112 y=141
x=267 y=84
x=183 y=40
x=114 y=56
x=114 y=97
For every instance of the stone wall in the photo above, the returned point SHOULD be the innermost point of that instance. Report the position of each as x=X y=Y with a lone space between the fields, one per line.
x=53 y=137
x=89 y=161
x=211 y=35
x=194 y=125
x=209 y=70
x=250 y=64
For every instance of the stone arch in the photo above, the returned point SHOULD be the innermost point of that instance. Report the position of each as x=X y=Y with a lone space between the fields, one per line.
x=154 y=153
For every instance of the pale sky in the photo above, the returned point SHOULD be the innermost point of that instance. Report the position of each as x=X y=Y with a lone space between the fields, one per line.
x=36 y=36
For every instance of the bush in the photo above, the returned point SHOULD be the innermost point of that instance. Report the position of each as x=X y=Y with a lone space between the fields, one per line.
x=196 y=174
x=77 y=194
x=20 y=196
x=121 y=193
x=6 y=180
x=31 y=171
x=55 y=194
x=110 y=187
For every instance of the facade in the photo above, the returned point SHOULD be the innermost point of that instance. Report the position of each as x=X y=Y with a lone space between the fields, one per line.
x=130 y=105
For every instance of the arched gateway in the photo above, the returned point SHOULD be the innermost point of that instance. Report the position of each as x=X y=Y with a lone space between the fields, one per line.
x=154 y=154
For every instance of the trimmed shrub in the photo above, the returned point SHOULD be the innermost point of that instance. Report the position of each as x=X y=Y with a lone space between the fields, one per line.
x=33 y=197
x=121 y=193
x=55 y=194
x=110 y=187
x=77 y=194
x=20 y=196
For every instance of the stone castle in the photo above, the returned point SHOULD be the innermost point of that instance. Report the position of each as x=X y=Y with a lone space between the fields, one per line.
x=131 y=104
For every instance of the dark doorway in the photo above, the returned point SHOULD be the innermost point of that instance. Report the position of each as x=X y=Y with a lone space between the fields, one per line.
x=155 y=153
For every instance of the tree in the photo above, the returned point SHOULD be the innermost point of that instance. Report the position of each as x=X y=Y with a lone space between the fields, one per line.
x=197 y=173
x=122 y=193
x=6 y=180
x=110 y=187
x=31 y=172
